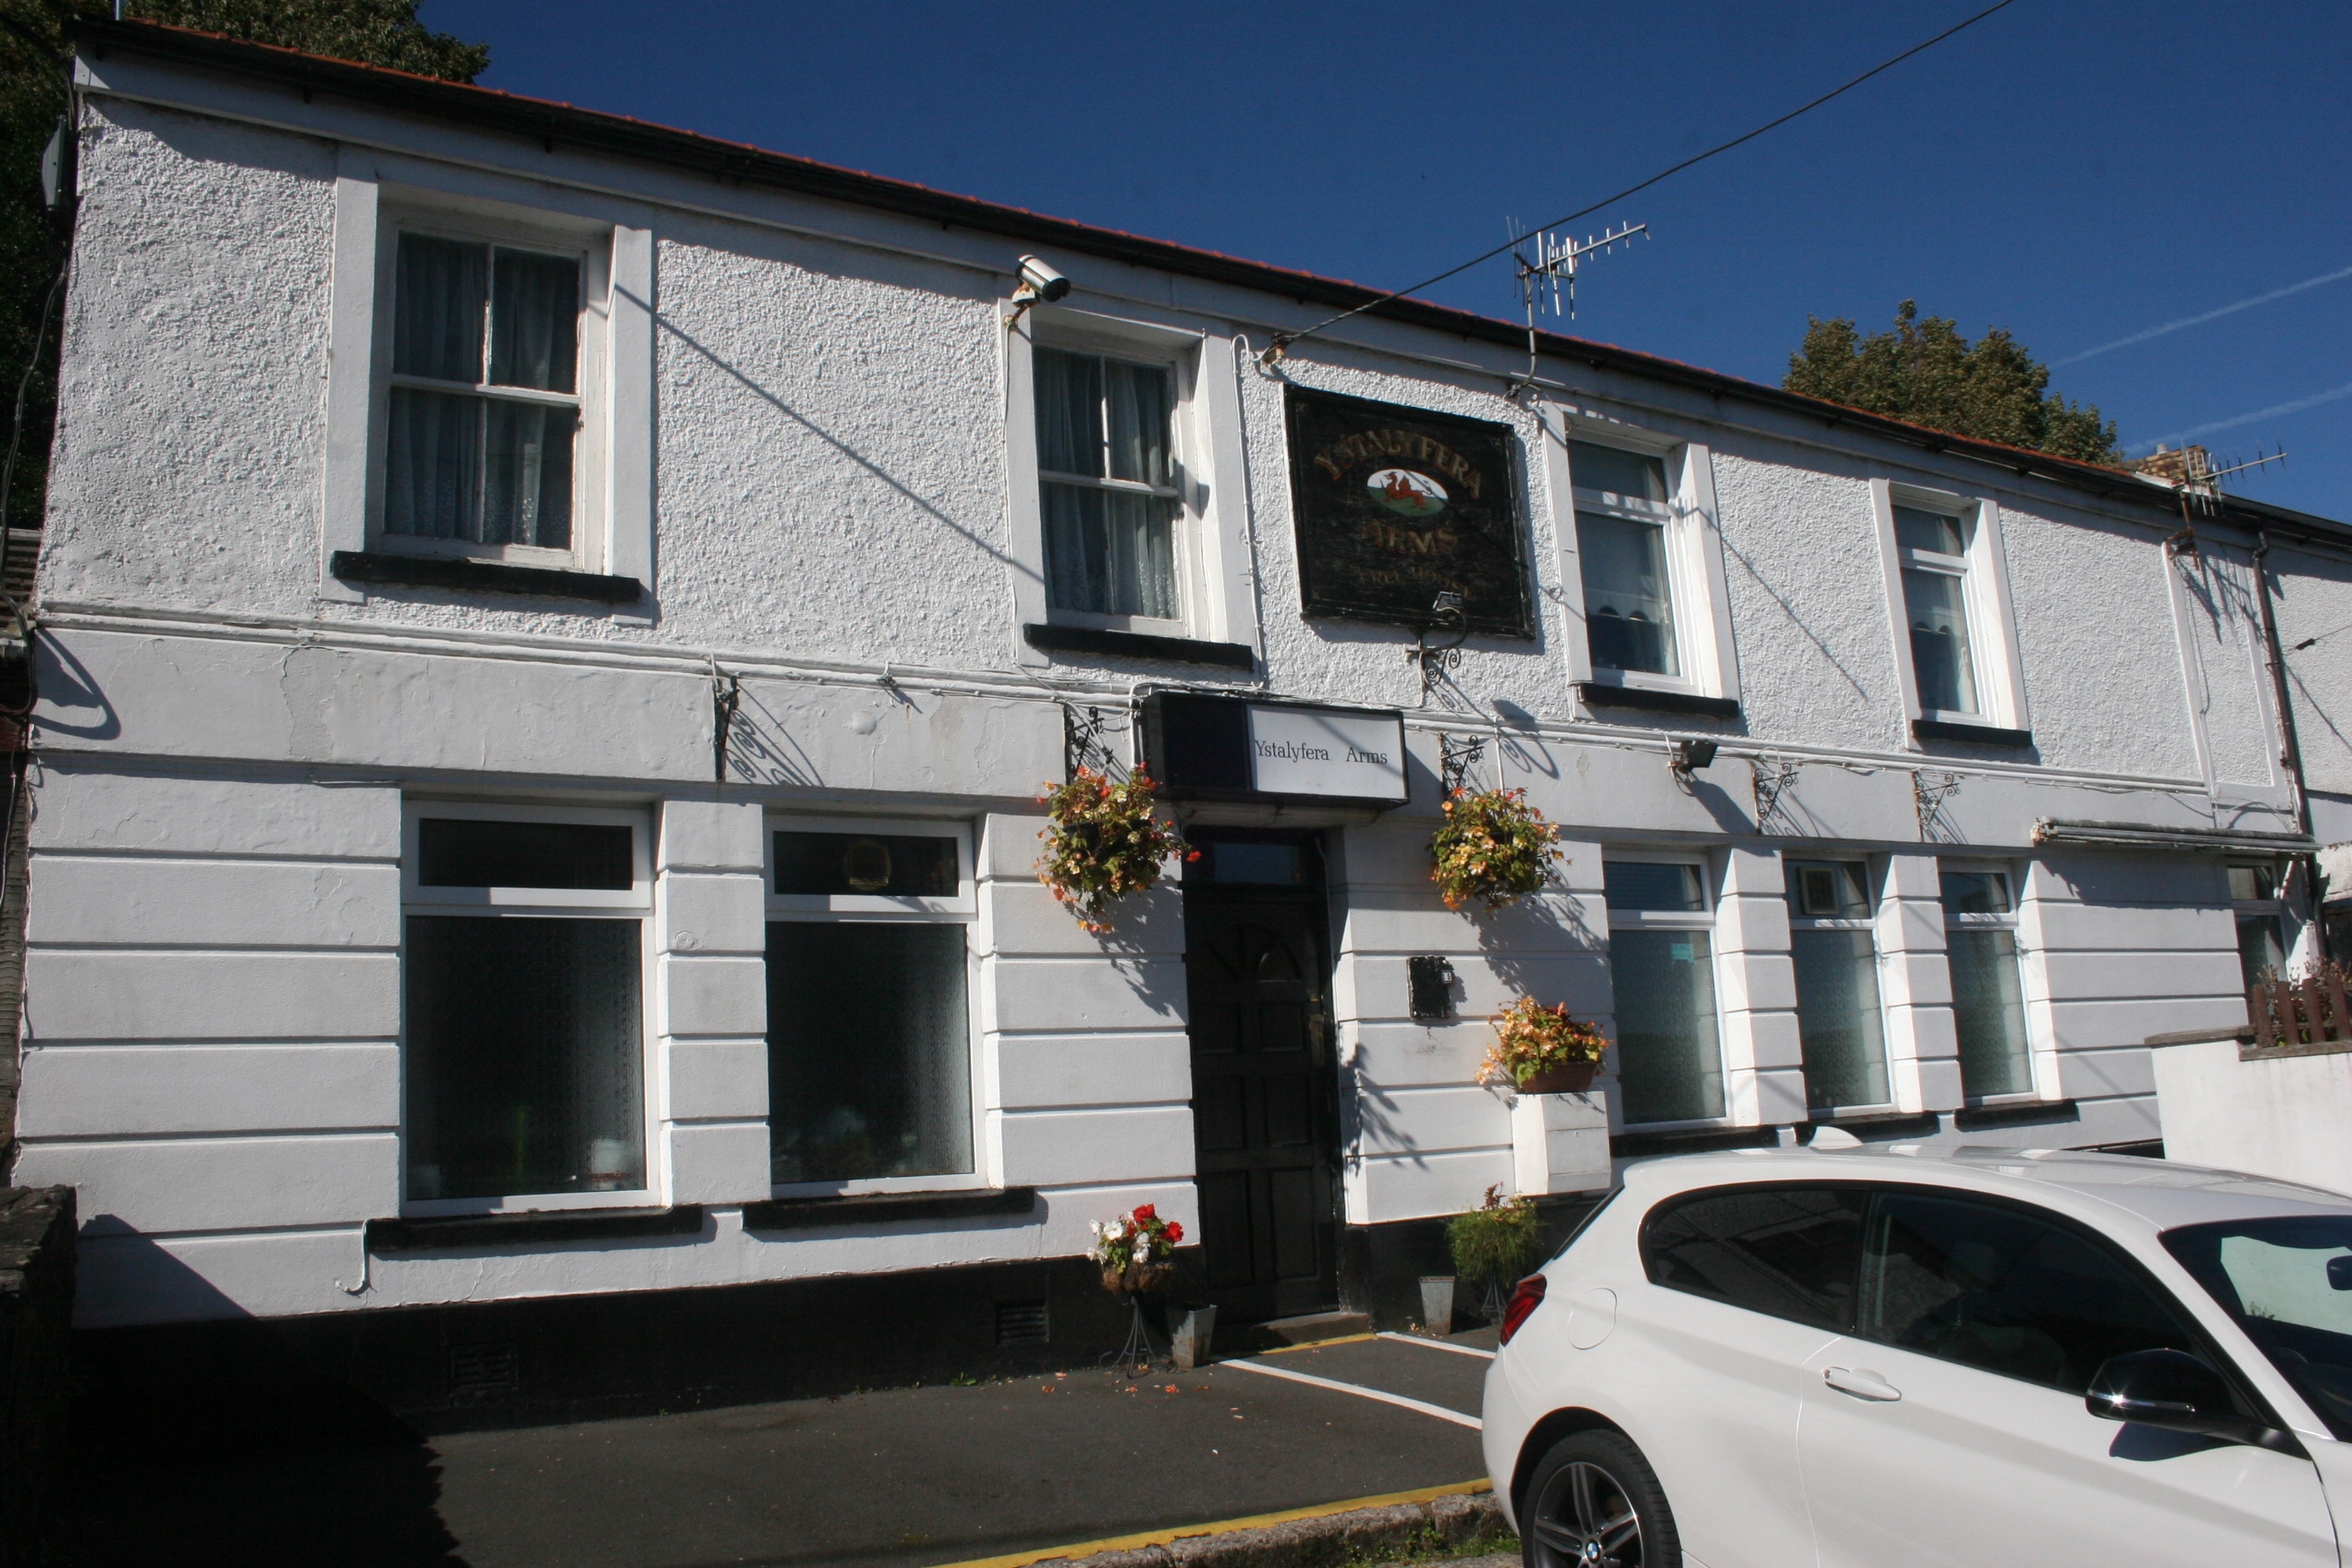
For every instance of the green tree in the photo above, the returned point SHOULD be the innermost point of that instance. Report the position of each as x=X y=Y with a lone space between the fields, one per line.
x=1926 y=372
x=33 y=245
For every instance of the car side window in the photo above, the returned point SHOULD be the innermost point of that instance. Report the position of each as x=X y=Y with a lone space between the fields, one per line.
x=1786 y=1252
x=1998 y=1288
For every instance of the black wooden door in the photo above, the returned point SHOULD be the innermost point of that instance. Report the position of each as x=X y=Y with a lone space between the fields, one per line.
x=1265 y=1102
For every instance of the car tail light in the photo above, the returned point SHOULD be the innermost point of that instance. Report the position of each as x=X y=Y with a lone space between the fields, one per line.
x=1524 y=1300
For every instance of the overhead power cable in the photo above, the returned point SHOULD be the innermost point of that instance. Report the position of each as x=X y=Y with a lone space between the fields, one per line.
x=1282 y=340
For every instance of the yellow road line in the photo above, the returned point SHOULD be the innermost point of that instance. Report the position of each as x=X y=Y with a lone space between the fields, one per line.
x=1319 y=1344
x=1255 y=1522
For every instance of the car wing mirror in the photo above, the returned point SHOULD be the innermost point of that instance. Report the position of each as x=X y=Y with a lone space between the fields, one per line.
x=2174 y=1392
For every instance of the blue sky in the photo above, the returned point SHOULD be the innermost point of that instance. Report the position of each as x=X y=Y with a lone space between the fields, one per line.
x=2081 y=172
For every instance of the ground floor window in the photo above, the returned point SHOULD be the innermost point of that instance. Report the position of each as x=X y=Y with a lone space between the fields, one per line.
x=869 y=1049
x=1835 y=953
x=2261 y=922
x=1987 y=1000
x=1669 y=1061
x=523 y=1041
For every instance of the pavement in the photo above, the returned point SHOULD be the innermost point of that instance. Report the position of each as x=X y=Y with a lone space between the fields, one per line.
x=997 y=1472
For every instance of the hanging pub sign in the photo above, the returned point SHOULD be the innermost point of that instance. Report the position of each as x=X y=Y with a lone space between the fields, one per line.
x=1394 y=506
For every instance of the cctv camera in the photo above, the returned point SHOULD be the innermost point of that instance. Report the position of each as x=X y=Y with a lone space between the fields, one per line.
x=1038 y=279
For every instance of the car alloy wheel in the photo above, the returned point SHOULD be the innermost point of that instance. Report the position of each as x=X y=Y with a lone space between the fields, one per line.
x=1585 y=1519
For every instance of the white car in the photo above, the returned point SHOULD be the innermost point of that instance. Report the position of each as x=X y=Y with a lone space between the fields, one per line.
x=1896 y=1354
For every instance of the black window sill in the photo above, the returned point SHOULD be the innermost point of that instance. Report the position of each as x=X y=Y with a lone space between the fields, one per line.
x=1977 y=1117
x=1137 y=645
x=441 y=1232
x=1599 y=694
x=1879 y=1124
x=1641 y=1146
x=875 y=1209
x=482 y=577
x=1970 y=734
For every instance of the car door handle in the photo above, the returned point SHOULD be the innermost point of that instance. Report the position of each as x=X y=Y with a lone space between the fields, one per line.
x=1860 y=1384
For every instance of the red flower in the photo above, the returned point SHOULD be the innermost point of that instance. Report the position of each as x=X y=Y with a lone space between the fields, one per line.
x=1145 y=1211
x=1175 y=1233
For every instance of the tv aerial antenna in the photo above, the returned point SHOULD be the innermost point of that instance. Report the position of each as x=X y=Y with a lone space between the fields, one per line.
x=1547 y=278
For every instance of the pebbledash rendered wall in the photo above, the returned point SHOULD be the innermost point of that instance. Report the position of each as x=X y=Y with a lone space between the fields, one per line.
x=227 y=736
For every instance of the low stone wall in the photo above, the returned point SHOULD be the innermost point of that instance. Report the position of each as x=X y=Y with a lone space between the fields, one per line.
x=36 y=1305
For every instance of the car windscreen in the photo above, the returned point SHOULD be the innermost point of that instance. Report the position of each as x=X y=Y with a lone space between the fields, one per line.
x=2288 y=1284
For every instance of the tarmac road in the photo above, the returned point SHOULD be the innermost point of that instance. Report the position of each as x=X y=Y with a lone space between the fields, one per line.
x=900 y=1478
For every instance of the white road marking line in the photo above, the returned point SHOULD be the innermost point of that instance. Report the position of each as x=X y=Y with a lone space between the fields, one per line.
x=1440 y=1412
x=1436 y=1344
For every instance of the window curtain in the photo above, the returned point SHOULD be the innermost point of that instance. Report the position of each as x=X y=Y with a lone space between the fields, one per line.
x=1629 y=615
x=868 y=1050
x=485 y=471
x=524 y=1059
x=1988 y=1007
x=1939 y=640
x=534 y=333
x=1668 y=1065
x=1107 y=552
x=1837 y=1018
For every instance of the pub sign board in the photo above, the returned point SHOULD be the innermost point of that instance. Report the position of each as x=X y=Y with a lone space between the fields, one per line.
x=1394 y=506
x=1215 y=748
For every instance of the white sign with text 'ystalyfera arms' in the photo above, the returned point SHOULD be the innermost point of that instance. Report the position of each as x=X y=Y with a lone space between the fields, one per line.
x=1356 y=756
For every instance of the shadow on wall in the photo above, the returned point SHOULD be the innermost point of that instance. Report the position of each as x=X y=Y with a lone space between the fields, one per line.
x=233 y=1449
x=65 y=685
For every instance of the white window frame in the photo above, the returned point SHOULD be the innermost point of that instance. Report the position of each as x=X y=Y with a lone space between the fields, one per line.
x=592 y=254
x=2041 y=1061
x=1700 y=920
x=1984 y=574
x=376 y=196
x=1703 y=643
x=1215 y=589
x=636 y=900
x=962 y=910
x=1873 y=881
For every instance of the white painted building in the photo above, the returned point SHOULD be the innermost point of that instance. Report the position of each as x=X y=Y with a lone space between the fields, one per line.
x=450 y=487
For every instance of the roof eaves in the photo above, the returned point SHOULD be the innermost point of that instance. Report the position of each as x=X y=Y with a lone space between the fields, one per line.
x=549 y=121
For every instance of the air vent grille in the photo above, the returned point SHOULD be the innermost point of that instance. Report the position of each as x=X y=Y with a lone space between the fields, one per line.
x=1021 y=1323
x=479 y=1373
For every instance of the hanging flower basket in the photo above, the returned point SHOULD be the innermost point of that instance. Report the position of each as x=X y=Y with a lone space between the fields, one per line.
x=1136 y=1252
x=1493 y=846
x=1541 y=1050
x=1103 y=843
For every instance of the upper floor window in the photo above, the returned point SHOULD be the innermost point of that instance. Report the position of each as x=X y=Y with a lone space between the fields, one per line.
x=1106 y=478
x=489 y=390
x=1947 y=587
x=1624 y=516
x=1933 y=549
x=486 y=395
x=485 y=408
x=1987 y=1000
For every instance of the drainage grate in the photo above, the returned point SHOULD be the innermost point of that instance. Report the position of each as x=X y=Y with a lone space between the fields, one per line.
x=481 y=1372
x=1021 y=1323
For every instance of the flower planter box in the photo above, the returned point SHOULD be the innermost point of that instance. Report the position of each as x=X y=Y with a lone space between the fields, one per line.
x=1572 y=1079
x=1559 y=1142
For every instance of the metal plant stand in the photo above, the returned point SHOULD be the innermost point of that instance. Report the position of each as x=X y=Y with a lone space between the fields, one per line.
x=1139 y=1351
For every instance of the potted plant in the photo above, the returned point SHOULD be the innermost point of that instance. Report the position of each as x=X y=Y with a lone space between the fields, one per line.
x=1495 y=1243
x=1136 y=1252
x=1103 y=842
x=1541 y=1050
x=1492 y=846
